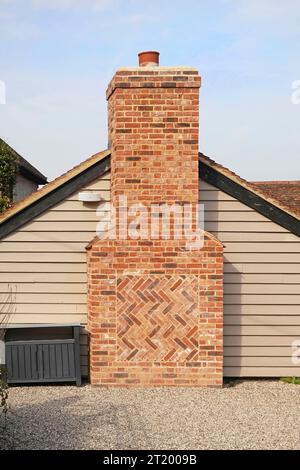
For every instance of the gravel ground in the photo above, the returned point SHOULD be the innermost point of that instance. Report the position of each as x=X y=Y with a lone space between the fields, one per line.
x=250 y=414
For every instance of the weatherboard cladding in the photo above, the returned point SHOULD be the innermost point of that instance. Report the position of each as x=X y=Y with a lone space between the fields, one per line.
x=57 y=190
x=45 y=259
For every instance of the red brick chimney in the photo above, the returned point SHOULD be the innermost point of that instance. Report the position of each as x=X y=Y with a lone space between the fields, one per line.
x=155 y=306
x=153 y=117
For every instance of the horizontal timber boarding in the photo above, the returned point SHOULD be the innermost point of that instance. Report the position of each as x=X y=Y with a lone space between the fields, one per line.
x=261 y=285
x=43 y=264
x=257 y=371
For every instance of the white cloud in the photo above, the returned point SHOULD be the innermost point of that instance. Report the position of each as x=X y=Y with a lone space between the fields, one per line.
x=98 y=5
x=14 y=26
x=267 y=9
x=65 y=4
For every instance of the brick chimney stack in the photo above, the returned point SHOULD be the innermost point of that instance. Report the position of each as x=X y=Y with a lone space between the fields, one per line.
x=153 y=120
x=155 y=306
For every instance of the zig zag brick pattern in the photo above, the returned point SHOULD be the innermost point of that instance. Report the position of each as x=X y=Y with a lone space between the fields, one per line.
x=158 y=318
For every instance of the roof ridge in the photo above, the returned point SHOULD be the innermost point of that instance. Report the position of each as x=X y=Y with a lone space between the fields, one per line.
x=276 y=182
x=26 y=165
x=98 y=157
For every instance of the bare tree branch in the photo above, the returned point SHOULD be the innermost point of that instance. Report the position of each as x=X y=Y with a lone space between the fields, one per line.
x=7 y=309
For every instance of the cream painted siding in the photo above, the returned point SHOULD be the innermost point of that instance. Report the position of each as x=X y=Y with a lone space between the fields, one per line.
x=262 y=287
x=44 y=264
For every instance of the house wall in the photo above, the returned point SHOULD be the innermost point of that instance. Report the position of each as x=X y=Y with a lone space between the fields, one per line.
x=43 y=265
x=261 y=287
x=262 y=277
x=23 y=188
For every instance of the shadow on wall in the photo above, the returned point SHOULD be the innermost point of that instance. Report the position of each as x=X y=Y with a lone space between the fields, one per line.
x=84 y=352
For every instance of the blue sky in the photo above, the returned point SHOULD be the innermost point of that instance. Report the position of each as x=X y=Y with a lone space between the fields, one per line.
x=57 y=56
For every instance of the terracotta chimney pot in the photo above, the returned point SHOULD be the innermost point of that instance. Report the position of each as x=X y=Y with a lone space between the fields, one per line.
x=149 y=58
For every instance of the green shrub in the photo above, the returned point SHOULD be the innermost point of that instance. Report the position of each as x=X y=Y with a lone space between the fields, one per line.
x=8 y=172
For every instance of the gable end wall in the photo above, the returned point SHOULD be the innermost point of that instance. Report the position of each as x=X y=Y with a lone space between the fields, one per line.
x=46 y=263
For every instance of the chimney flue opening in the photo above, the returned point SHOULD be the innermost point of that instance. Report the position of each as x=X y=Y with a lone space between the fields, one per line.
x=149 y=58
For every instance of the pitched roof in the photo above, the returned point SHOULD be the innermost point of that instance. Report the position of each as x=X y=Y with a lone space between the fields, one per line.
x=29 y=171
x=256 y=188
x=288 y=192
x=250 y=194
x=26 y=169
x=64 y=183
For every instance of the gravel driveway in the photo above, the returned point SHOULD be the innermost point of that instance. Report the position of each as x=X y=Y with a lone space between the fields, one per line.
x=246 y=415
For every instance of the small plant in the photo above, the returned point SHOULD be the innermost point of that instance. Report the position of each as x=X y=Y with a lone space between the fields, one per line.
x=6 y=312
x=291 y=380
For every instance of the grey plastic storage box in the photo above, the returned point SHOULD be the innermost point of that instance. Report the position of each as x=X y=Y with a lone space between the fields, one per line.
x=42 y=353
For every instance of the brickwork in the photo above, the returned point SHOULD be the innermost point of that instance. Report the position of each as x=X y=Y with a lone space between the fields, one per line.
x=155 y=307
x=153 y=129
x=156 y=313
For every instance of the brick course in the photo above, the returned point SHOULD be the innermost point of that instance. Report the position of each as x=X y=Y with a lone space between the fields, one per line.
x=155 y=307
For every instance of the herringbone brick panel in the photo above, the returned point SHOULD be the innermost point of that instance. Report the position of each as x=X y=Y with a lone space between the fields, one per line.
x=157 y=318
